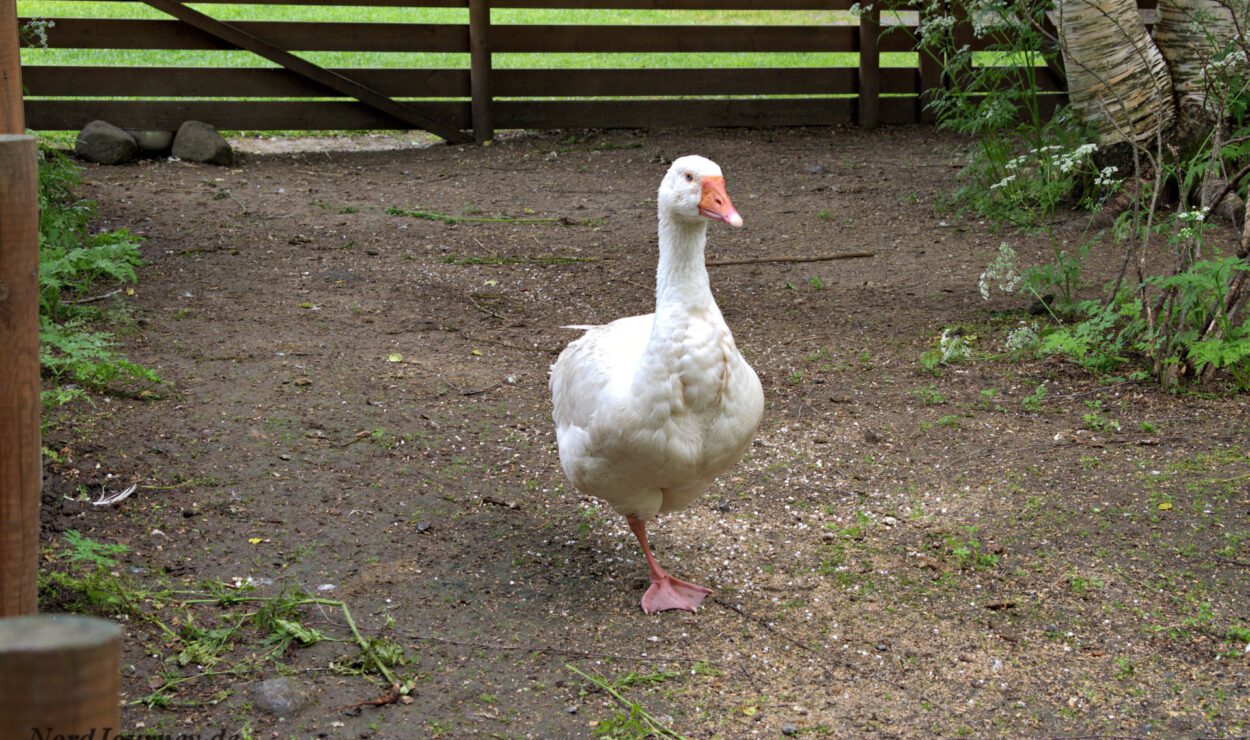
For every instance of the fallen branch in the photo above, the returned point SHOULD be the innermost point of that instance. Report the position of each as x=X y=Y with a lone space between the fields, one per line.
x=761 y=260
x=1230 y=561
x=93 y=299
x=391 y=696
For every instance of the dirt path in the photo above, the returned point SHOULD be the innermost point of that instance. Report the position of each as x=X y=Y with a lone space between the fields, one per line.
x=358 y=406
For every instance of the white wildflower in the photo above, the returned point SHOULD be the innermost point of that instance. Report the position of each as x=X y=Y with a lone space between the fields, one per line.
x=1107 y=177
x=1003 y=182
x=953 y=346
x=1022 y=338
x=1002 y=270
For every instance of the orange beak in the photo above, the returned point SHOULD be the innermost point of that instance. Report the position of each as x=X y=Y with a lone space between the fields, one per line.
x=715 y=203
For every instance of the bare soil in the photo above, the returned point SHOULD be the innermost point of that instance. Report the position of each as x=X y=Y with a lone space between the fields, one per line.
x=357 y=406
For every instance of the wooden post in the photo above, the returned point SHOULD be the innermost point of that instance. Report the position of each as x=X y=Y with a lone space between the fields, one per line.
x=930 y=79
x=60 y=677
x=20 y=464
x=479 y=71
x=870 y=67
x=12 y=116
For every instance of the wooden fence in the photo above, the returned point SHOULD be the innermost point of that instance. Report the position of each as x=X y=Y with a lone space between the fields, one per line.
x=298 y=95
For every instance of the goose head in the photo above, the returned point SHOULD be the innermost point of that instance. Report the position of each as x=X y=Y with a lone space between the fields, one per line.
x=693 y=191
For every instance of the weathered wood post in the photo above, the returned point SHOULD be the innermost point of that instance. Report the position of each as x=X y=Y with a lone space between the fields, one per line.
x=59 y=675
x=480 y=71
x=870 y=67
x=20 y=482
x=930 y=78
x=12 y=116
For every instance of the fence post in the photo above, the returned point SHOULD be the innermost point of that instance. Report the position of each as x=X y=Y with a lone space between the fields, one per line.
x=60 y=677
x=930 y=76
x=480 y=71
x=20 y=466
x=870 y=67
x=12 y=117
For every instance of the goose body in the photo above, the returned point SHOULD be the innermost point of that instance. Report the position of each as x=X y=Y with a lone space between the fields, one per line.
x=650 y=409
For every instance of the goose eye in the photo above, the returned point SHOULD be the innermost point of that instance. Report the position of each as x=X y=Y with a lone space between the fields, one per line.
x=689 y=177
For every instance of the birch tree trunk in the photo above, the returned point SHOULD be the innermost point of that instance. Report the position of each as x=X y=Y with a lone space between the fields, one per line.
x=1192 y=36
x=1118 y=82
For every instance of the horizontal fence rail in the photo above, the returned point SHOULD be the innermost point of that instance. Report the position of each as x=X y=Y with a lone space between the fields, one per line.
x=476 y=94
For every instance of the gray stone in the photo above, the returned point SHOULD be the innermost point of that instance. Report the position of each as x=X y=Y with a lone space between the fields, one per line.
x=153 y=143
x=282 y=696
x=104 y=143
x=199 y=142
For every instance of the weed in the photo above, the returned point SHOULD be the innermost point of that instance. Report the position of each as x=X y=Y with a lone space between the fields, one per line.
x=86 y=550
x=206 y=627
x=1033 y=402
x=1082 y=585
x=967 y=552
x=634 y=721
x=1096 y=422
x=929 y=394
x=816 y=283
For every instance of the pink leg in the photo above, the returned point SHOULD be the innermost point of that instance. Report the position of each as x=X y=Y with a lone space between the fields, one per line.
x=666 y=592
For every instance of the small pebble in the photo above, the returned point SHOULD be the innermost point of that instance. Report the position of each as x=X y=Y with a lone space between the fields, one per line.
x=789 y=730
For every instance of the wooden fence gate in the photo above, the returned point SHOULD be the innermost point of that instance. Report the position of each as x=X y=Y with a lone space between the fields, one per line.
x=479 y=97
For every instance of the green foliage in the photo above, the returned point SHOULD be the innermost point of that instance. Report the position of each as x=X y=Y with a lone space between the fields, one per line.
x=75 y=356
x=1033 y=401
x=86 y=550
x=1023 y=167
x=633 y=721
x=967 y=552
x=213 y=628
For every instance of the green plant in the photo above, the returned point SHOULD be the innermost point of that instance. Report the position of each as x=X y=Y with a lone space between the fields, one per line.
x=214 y=628
x=634 y=721
x=86 y=550
x=75 y=355
x=952 y=347
x=1033 y=401
x=929 y=394
x=967 y=552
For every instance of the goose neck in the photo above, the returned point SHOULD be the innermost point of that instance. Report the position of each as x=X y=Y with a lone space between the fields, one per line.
x=681 y=277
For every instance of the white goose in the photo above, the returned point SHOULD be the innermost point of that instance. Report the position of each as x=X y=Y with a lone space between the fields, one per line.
x=650 y=409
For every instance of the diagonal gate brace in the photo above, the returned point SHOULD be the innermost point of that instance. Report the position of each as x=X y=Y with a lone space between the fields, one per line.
x=329 y=78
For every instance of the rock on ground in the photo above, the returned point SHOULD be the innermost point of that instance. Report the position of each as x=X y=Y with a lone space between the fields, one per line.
x=104 y=143
x=197 y=141
x=282 y=696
